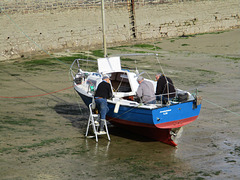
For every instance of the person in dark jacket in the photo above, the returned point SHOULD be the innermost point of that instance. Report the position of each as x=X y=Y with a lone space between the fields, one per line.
x=103 y=92
x=165 y=88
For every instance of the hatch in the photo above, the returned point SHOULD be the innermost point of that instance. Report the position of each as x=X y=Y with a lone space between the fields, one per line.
x=109 y=64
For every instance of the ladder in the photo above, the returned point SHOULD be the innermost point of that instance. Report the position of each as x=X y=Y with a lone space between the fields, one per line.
x=132 y=18
x=93 y=121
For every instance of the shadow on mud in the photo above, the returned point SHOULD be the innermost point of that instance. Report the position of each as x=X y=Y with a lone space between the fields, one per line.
x=78 y=116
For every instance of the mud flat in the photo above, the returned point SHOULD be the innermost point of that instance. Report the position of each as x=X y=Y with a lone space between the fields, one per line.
x=43 y=121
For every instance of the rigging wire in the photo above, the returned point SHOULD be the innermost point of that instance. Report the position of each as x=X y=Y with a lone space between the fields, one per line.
x=177 y=88
x=221 y=107
x=39 y=95
x=78 y=102
x=20 y=29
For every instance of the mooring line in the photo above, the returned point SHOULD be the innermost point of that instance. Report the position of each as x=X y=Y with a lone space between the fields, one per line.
x=20 y=29
x=37 y=95
x=35 y=86
x=221 y=107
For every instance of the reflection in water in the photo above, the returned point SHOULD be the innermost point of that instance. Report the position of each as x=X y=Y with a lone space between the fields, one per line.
x=97 y=149
x=136 y=156
x=122 y=148
x=177 y=134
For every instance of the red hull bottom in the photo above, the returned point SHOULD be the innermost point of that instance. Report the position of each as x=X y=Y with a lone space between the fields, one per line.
x=162 y=135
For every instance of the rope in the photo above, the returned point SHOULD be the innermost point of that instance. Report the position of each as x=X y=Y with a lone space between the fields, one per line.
x=203 y=99
x=20 y=29
x=221 y=107
x=123 y=113
x=78 y=102
x=37 y=95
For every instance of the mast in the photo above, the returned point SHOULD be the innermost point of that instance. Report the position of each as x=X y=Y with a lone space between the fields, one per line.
x=103 y=30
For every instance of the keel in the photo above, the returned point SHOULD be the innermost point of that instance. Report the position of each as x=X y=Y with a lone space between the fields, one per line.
x=162 y=135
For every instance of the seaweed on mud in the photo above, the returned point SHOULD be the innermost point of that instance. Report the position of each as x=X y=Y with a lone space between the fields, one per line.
x=25 y=148
x=20 y=121
x=185 y=44
x=146 y=46
x=98 y=53
x=129 y=49
x=230 y=58
x=40 y=64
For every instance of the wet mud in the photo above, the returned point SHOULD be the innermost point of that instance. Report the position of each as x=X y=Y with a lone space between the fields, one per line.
x=42 y=132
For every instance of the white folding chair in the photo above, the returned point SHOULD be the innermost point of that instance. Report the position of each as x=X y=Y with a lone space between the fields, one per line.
x=94 y=121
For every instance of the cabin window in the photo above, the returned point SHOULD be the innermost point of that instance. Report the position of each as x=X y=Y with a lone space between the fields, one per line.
x=120 y=82
x=92 y=83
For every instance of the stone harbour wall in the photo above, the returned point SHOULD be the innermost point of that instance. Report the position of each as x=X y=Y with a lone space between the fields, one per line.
x=45 y=26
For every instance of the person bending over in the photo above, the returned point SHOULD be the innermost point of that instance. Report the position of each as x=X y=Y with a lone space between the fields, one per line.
x=103 y=93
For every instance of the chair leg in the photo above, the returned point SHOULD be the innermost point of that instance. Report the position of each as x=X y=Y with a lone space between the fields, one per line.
x=105 y=123
x=89 y=119
x=94 y=129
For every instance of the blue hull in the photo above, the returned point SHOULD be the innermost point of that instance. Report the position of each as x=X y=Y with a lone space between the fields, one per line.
x=173 y=116
x=153 y=123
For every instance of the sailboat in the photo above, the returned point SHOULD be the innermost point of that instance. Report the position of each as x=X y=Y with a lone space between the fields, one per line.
x=160 y=121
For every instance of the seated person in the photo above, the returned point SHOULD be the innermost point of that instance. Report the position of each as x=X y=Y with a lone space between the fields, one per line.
x=145 y=91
